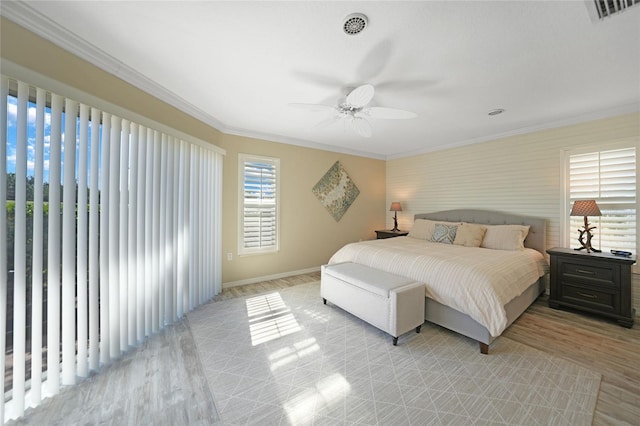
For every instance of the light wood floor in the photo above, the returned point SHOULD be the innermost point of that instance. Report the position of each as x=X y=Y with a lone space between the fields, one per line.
x=280 y=283
x=160 y=382
x=595 y=343
x=598 y=344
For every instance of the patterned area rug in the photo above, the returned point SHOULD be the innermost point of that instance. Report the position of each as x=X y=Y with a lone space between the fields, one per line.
x=285 y=358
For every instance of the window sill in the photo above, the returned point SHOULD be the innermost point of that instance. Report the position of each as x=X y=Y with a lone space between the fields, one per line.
x=257 y=253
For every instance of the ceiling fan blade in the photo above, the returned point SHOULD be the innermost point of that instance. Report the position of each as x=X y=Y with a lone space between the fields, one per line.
x=318 y=79
x=360 y=96
x=362 y=127
x=389 y=113
x=326 y=122
x=314 y=107
x=413 y=85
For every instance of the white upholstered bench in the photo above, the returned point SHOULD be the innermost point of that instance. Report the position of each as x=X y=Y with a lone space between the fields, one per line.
x=392 y=303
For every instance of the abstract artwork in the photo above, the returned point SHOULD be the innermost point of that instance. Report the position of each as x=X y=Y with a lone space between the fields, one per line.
x=336 y=191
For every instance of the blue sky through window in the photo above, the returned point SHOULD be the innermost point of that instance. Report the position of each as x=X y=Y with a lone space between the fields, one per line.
x=12 y=121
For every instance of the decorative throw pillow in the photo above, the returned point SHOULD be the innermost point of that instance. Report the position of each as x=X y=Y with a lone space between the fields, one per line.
x=470 y=235
x=444 y=233
x=422 y=229
x=505 y=237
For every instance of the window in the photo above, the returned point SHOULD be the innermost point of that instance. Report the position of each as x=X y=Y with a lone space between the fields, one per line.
x=126 y=251
x=259 y=200
x=610 y=178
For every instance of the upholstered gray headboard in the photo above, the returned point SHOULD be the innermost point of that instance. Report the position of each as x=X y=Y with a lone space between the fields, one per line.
x=536 y=239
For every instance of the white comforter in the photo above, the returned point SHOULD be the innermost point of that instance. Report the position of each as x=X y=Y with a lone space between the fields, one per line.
x=476 y=281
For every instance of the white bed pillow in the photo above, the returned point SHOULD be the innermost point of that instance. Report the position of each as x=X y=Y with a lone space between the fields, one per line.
x=470 y=235
x=422 y=229
x=505 y=237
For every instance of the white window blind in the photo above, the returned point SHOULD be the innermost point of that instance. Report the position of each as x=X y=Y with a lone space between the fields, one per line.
x=259 y=196
x=101 y=242
x=610 y=178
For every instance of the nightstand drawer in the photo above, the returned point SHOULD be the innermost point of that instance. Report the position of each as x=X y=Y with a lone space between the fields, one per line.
x=589 y=298
x=599 y=283
x=589 y=274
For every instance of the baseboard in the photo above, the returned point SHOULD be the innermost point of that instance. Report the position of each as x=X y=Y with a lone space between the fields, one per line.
x=269 y=277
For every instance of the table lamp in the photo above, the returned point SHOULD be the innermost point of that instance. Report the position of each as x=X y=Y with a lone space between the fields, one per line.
x=586 y=208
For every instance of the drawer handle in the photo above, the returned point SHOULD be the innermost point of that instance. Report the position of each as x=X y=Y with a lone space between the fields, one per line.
x=590 y=296
x=582 y=271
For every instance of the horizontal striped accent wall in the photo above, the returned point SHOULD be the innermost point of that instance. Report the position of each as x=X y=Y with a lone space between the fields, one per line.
x=521 y=174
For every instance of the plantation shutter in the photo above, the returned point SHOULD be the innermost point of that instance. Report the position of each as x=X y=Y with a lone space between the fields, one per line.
x=609 y=177
x=259 y=224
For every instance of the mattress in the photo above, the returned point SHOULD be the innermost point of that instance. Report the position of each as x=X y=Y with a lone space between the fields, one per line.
x=476 y=281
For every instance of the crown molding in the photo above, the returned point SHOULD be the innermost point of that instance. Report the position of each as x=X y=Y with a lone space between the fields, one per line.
x=18 y=72
x=34 y=21
x=24 y=15
x=303 y=143
x=29 y=18
x=569 y=121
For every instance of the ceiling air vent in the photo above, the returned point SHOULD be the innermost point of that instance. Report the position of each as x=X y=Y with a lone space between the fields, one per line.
x=601 y=9
x=354 y=23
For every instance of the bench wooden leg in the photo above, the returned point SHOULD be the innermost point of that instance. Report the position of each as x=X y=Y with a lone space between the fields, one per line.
x=484 y=348
x=418 y=328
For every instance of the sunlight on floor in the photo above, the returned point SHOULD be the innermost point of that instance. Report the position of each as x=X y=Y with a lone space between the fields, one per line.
x=329 y=391
x=323 y=318
x=269 y=318
x=285 y=356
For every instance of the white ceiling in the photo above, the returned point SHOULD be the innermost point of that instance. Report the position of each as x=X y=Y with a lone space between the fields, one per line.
x=238 y=65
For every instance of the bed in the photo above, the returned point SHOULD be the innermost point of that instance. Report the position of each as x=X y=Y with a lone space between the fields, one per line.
x=477 y=292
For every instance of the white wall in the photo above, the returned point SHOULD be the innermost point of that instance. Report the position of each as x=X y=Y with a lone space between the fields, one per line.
x=519 y=174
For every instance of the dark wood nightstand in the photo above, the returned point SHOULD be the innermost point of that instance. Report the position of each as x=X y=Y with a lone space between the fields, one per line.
x=599 y=283
x=385 y=233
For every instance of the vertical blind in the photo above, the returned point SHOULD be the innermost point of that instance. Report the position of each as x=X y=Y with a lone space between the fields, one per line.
x=112 y=232
x=609 y=177
x=259 y=209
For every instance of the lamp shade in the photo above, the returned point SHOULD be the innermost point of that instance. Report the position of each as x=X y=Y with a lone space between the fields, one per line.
x=395 y=207
x=585 y=208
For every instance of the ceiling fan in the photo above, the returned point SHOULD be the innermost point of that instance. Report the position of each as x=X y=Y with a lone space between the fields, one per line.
x=354 y=109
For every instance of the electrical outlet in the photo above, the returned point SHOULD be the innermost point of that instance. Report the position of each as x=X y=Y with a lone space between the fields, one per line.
x=229 y=256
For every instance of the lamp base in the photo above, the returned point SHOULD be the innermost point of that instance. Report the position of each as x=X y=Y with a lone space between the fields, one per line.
x=586 y=232
x=395 y=223
x=589 y=249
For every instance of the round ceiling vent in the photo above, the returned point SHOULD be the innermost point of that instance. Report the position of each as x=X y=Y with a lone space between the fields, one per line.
x=354 y=23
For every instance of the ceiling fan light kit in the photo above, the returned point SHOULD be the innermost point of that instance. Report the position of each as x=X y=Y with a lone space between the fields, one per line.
x=355 y=109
